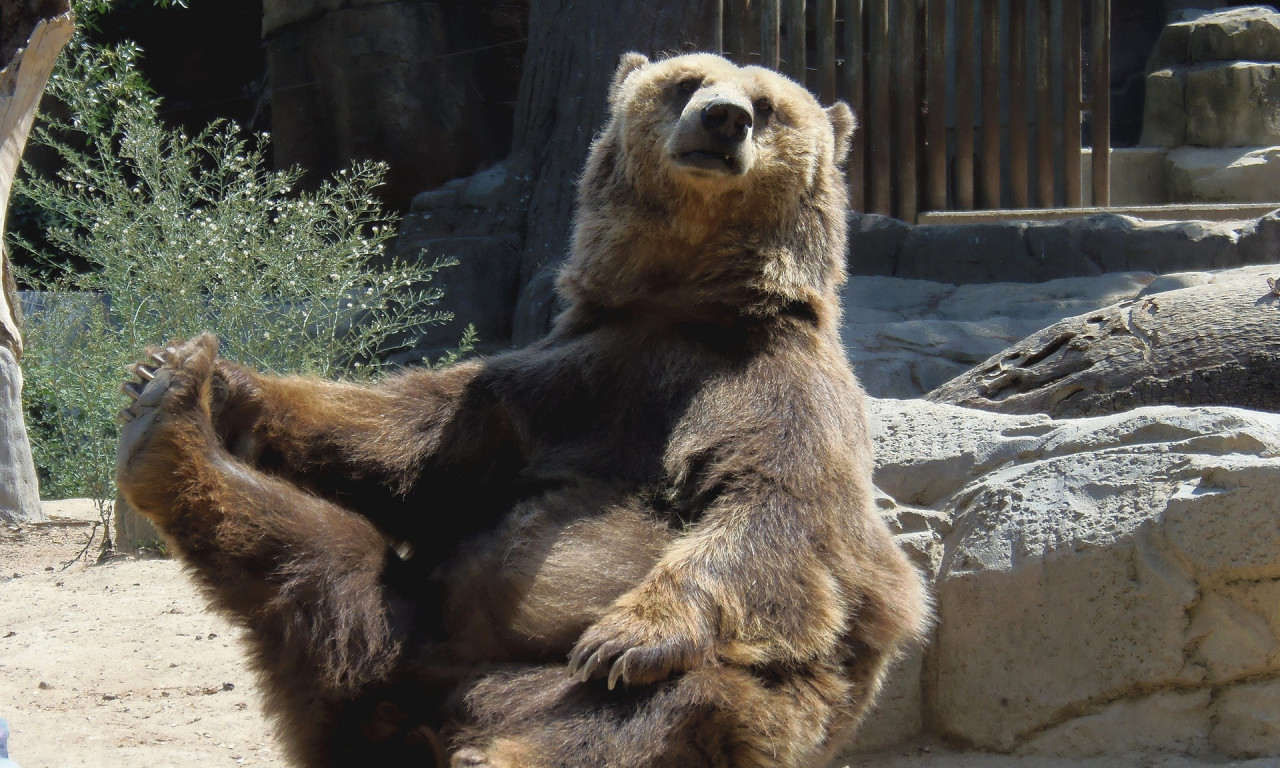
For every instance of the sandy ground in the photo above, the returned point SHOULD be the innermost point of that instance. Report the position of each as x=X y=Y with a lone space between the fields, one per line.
x=120 y=664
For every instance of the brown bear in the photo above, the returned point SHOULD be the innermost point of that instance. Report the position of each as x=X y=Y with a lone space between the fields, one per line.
x=647 y=540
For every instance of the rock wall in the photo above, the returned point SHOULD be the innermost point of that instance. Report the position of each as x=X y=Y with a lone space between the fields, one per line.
x=1104 y=586
x=1020 y=251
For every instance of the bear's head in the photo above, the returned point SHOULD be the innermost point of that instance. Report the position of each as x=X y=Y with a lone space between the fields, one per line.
x=714 y=189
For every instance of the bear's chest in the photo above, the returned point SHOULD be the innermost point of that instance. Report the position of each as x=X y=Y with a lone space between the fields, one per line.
x=602 y=408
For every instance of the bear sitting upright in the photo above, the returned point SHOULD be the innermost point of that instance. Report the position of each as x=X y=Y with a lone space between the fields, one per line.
x=647 y=540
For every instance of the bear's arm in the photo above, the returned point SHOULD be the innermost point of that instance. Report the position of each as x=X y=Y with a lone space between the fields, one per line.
x=786 y=549
x=371 y=448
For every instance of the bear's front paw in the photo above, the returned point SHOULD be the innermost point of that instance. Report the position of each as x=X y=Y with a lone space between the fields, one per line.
x=638 y=650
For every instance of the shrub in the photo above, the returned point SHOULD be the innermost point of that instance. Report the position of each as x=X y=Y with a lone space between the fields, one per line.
x=172 y=235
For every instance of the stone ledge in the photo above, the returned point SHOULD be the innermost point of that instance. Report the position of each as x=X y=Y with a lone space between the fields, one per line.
x=1172 y=212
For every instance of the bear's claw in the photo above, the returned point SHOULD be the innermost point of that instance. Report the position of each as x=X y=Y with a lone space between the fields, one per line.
x=634 y=652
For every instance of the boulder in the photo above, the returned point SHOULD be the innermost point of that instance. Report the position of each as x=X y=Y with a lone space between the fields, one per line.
x=1245 y=33
x=1105 y=586
x=1164 y=115
x=1221 y=175
x=1234 y=104
x=969 y=253
x=1249 y=33
x=875 y=242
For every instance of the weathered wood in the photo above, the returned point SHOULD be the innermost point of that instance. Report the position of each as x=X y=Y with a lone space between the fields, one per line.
x=771 y=33
x=1071 y=103
x=1018 y=154
x=741 y=23
x=1044 y=109
x=855 y=73
x=879 y=122
x=1214 y=344
x=826 y=25
x=965 y=81
x=34 y=33
x=1100 y=74
x=990 y=104
x=904 y=109
x=795 y=60
x=936 y=94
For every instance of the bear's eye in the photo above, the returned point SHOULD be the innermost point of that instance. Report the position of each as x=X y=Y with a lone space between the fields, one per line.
x=763 y=107
x=688 y=87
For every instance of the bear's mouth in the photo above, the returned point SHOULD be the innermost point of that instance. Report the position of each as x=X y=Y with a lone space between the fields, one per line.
x=708 y=160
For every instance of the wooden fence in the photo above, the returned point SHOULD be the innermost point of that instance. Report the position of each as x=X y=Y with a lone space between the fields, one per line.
x=962 y=104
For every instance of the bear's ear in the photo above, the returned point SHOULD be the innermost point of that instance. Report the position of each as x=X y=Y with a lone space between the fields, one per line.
x=629 y=63
x=844 y=124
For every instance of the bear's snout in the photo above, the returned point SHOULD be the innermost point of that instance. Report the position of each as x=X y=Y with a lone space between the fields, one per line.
x=712 y=138
x=726 y=120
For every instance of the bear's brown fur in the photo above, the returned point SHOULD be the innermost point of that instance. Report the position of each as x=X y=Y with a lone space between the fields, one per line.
x=672 y=491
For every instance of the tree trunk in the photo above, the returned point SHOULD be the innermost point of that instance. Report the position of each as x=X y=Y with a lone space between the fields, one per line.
x=1214 y=344
x=32 y=32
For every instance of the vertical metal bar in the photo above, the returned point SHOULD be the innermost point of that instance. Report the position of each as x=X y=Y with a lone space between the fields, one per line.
x=965 y=82
x=770 y=42
x=795 y=41
x=936 y=90
x=880 y=140
x=904 y=79
x=1100 y=73
x=1071 y=103
x=990 y=104
x=1044 y=109
x=1018 y=117
x=855 y=93
x=826 y=55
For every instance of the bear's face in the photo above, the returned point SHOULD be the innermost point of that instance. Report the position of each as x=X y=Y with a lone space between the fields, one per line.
x=713 y=189
x=700 y=121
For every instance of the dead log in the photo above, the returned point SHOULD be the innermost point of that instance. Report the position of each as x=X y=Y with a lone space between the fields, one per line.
x=32 y=32
x=1213 y=344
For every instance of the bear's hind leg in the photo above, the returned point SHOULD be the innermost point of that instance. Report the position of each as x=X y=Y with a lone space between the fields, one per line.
x=308 y=578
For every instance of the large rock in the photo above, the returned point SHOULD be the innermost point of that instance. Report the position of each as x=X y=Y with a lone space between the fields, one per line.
x=1235 y=104
x=1164 y=115
x=1105 y=586
x=1213 y=175
x=1019 y=251
x=1243 y=33
x=875 y=242
x=969 y=253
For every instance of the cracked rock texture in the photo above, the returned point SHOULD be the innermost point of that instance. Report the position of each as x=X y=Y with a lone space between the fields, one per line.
x=1105 y=586
x=907 y=337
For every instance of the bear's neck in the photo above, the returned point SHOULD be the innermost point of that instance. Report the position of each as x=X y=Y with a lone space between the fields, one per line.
x=705 y=258
x=721 y=277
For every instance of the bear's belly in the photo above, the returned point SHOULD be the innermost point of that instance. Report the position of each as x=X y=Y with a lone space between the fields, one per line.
x=527 y=590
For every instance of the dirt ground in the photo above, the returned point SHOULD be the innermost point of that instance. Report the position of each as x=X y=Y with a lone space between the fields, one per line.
x=120 y=664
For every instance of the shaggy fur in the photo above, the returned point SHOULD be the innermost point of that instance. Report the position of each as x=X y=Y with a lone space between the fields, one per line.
x=672 y=492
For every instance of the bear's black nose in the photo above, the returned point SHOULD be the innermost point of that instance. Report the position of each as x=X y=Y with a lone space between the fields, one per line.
x=726 y=120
